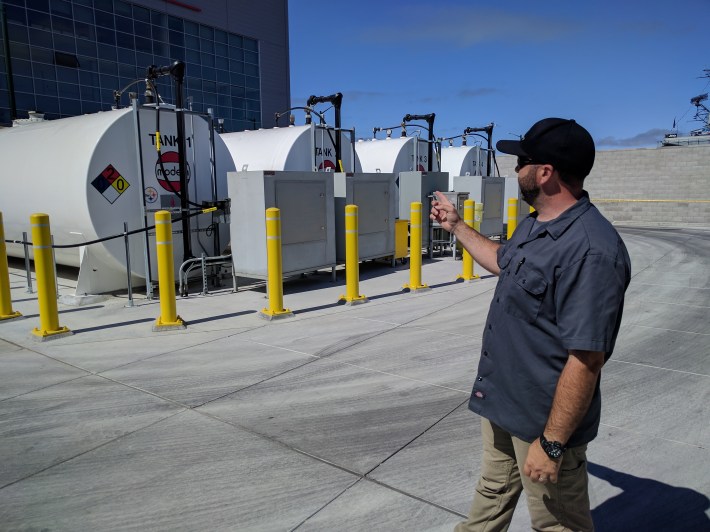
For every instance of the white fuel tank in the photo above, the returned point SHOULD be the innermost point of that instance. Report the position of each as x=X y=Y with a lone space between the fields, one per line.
x=86 y=173
x=462 y=160
x=395 y=155
x=309 y=148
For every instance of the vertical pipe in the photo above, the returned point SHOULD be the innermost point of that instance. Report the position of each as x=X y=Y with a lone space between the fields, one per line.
x=352 y=269
x=46 y=286
x=352 y=150
x=489 y=156
x=27 y=262
x=512 y=216
x=213 y=180
x=144 y=215
x=274 y=267
x=6 y=312
x=314 y=166
x=177 y=70
x=467 y=274
x=415 y=162
x=203 y=264
x=415 y=249
x=128 y=265
x=168 y=319
x=337 y=102
x=54 y=267
x=430 y=148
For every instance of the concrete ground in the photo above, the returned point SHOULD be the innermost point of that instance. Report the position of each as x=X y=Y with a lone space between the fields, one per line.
x=347 y=418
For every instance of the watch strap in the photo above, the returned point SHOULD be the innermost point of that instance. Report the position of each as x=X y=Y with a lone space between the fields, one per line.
x=554 y=449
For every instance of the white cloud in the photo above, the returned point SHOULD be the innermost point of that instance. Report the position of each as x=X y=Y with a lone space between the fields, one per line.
x=647 y=138
x=466 y=26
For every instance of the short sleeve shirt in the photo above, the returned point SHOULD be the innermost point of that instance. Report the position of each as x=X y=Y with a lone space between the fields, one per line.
x=561 y=287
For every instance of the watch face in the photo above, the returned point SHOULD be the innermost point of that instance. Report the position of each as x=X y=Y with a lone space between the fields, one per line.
x=553 y=451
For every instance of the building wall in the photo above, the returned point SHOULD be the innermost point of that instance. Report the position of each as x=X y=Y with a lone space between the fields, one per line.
x=649 y=186
x=68 y=57
x=266 y=21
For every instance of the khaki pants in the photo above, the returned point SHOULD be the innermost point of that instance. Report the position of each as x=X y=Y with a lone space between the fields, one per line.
x=561 y=506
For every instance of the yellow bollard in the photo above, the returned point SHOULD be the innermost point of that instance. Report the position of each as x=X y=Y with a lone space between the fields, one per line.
x=415 y=249
x=512 y=216
x=469 y=207
x=478 y=216
x=168 y=319
x=6 y=312
x=46 y=286
x=274 y=267
x=352 y=271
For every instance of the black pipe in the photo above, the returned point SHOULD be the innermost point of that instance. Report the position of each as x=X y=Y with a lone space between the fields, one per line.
x=489 y=137
x=430 y=122
x=490 y=150
x=337 y=100
x=177 y=71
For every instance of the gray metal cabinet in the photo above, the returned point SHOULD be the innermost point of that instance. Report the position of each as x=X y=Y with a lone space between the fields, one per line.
x=306 y=202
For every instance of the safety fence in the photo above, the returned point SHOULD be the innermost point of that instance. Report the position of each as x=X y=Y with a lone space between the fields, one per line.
x=45 y=268
x=43 y=248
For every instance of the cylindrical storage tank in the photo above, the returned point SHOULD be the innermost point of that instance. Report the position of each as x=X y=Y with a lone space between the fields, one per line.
x=401 y=154
x=308 y=148
x=86 y=173
x=462 y=160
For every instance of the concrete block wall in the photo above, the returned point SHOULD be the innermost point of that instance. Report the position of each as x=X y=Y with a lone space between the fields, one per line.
x=658 y=186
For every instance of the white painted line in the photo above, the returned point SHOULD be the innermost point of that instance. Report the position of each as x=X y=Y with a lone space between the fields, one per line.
x=669 y=330
x=645 y=434
x=657 y=367
x=357 y=366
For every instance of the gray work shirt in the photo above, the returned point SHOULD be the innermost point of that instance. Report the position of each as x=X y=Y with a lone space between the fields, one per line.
x=561 y=287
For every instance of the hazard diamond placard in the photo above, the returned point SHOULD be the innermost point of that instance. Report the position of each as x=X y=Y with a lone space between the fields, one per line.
x=110 y=183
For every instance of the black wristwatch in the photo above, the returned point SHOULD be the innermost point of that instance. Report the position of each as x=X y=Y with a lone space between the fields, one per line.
x=554 y=449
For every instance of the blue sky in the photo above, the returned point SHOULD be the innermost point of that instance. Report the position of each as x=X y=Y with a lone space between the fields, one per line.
x=624 y=69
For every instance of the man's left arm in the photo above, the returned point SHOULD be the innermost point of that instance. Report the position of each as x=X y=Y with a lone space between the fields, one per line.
x=573 y=396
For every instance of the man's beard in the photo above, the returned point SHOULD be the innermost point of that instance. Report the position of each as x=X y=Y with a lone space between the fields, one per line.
x=528 y=188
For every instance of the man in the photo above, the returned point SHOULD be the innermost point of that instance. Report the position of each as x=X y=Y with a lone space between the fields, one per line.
x=551 y=327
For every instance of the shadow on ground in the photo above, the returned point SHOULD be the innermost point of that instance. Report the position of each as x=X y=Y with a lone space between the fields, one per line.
x=647 y=504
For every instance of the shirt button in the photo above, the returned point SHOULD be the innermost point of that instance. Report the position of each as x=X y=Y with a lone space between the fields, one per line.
x=497 y=300
x=485 y=353
x=490 y=327
x=480 y=378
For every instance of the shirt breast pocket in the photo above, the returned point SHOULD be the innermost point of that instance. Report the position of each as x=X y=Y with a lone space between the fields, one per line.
x=525 y=296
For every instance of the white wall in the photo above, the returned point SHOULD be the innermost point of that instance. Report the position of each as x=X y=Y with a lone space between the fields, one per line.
x=669 y=185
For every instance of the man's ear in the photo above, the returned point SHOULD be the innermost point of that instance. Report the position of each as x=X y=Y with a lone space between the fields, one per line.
x=544 y=174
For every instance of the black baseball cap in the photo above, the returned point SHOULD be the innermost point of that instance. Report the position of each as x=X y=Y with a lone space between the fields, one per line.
x=560 y=142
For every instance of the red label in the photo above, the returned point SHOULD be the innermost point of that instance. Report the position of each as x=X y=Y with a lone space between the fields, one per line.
x=169 y=175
